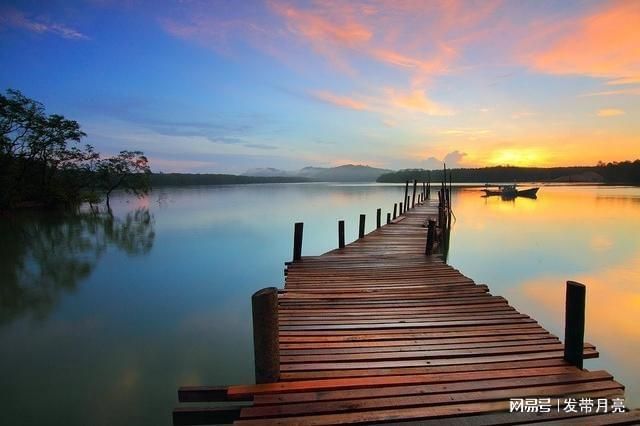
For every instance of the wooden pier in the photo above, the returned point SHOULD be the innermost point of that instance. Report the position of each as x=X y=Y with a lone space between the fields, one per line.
x=379 y=332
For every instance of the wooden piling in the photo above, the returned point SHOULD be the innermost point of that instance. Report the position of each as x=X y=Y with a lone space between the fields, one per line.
x=413 y=197
x=341 y=234
x=266 y=346
x=431 y=236
x=395 y=208
x=378 y=218
x=401 y=209
x=297 y=241
x=574 y=323
x=406 y=194
x=388 y=218
x=450 y=187
x=361 y=226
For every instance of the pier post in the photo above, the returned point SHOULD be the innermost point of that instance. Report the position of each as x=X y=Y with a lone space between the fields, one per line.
x=395 y=208
x=574 y=323
x=297 y=241
x=266 y=344
x=440 y=209
x=406 y=194
x=450 y=186
x=431 y=236
x=429 y=190
x=388 y=218
x=361 y=226
x=413 y=197
x=401 y=209
x=378 y=218
x=341 y=234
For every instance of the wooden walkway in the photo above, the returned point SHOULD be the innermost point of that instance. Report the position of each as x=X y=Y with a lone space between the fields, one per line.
x=377 y=332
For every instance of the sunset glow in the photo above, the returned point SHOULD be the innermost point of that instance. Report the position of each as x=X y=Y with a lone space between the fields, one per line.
x=226 y=86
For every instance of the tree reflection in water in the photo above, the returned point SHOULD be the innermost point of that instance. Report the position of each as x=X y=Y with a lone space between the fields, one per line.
x=42 y=256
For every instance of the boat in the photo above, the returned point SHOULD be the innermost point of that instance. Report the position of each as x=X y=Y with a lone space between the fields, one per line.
x=510 y=191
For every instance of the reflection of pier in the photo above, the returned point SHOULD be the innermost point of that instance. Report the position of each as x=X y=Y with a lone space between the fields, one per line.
x=383 y=330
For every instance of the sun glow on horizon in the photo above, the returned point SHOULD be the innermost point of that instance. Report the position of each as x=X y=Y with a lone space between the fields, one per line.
x=521 y=157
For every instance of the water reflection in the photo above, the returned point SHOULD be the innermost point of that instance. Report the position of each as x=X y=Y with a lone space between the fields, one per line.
x=43 y=256
x=527 y=249
x=137 y=327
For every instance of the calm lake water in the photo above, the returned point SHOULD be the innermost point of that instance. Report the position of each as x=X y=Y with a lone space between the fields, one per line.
x=102 y=318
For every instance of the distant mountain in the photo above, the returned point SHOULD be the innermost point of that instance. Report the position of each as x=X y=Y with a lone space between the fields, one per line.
x=345 y=173
x=266 y=172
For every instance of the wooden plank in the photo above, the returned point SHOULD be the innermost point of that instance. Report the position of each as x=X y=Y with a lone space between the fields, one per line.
x=428 y=362
x=424 y=412
x=516 y=378
x=243 y=391
x=422 y=400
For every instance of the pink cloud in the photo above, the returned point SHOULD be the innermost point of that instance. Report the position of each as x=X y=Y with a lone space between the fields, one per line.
x=15 y=18
x=603 y=44
x=341 y=101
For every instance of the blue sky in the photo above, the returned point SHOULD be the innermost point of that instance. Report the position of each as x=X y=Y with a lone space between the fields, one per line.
x=224 y=86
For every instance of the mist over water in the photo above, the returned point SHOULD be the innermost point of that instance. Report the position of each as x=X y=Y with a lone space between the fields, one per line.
x=103 y=317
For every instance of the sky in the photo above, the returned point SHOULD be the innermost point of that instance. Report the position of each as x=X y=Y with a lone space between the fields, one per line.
x=226 y=86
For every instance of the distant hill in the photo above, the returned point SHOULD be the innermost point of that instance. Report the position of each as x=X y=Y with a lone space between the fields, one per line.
x=266 y=172
x=183 y=179
x=345 y=173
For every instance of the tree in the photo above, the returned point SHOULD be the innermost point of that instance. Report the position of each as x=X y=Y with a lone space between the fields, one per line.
x=41 y=162
x=37 y=155
x=129 y=170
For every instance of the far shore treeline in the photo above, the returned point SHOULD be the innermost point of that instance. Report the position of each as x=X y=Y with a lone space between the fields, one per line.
x=626 y=172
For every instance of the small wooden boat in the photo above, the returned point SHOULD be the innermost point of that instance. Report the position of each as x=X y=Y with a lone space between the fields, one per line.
x=510 y=191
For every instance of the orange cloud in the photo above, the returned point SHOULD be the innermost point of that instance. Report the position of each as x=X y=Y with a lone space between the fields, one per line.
x=609 y=112
x=319 y=29
x=415 y=100
x=604 y=44
x=629 y=91
x=341 y=101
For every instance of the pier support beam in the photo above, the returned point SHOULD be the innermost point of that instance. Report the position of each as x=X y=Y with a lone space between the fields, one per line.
x=388 y=218
x=431 y=237
x=413 y=197
x=574 y=323
x=395 y=210
x=297 y=241
x=341 y=234
x=361 y=226
x=378 y=218
x=406 y=194
x=266 y=344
